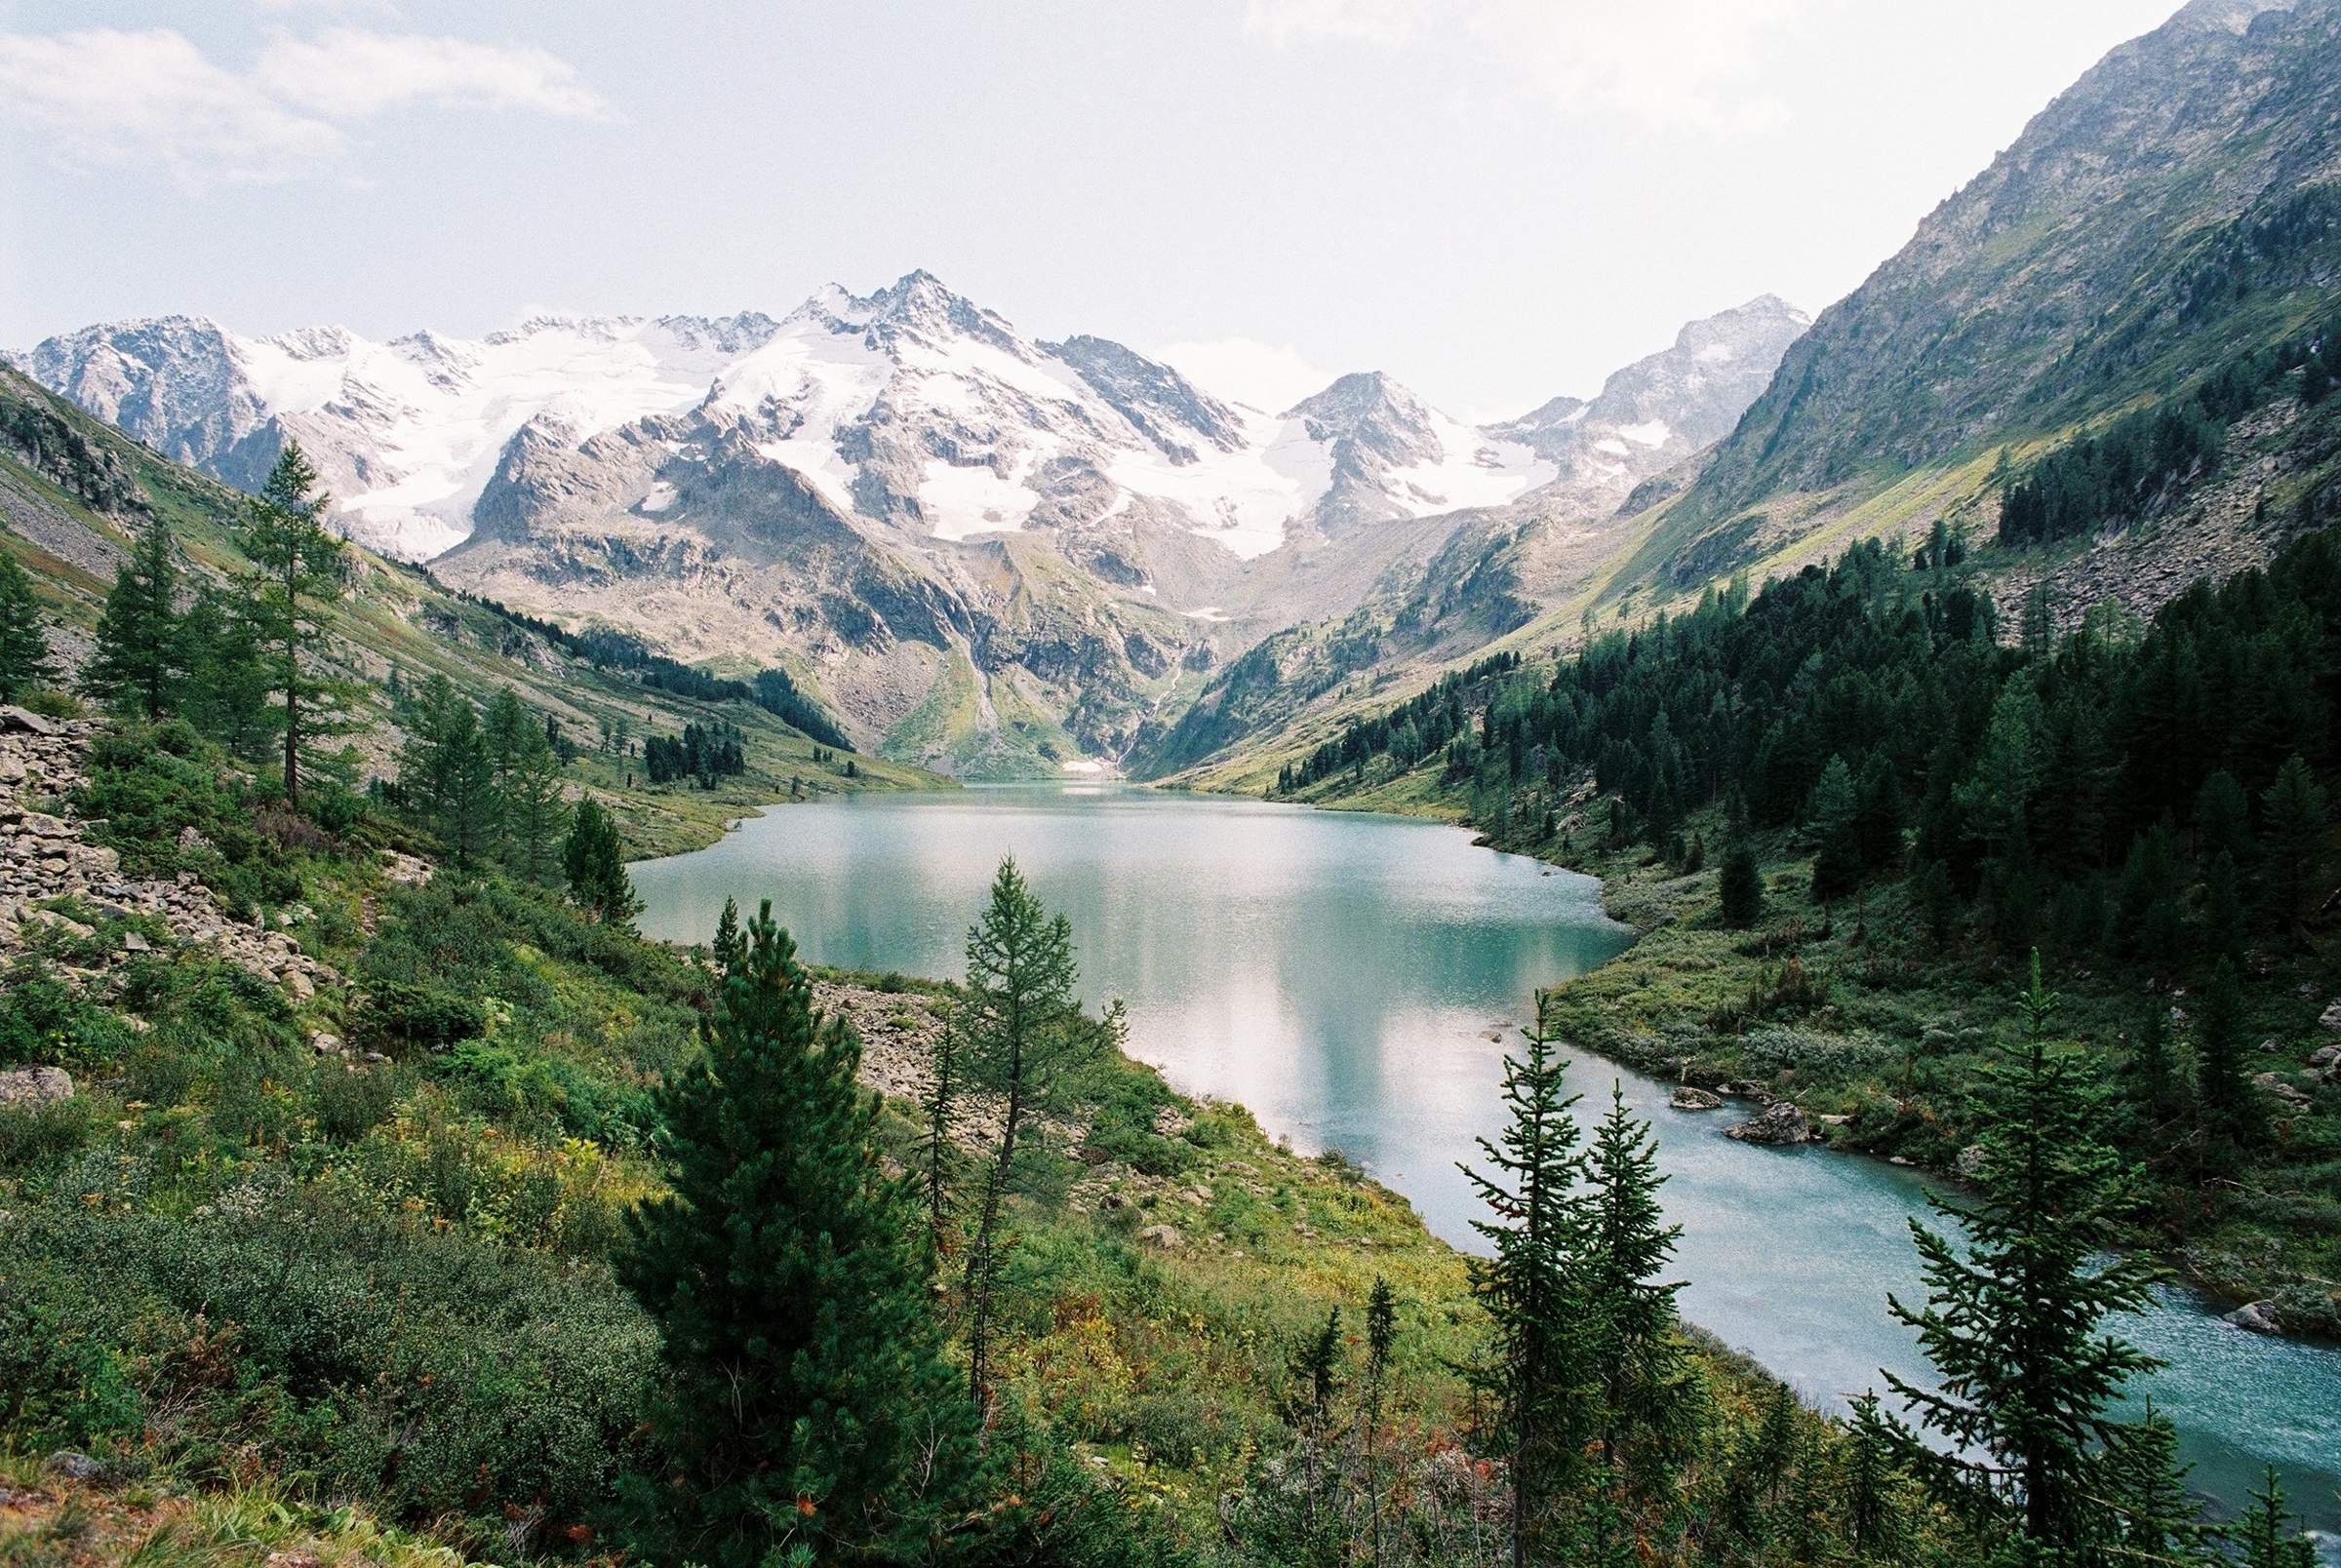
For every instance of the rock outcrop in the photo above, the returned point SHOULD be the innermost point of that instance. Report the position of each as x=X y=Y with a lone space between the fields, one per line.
x=1782 y=1123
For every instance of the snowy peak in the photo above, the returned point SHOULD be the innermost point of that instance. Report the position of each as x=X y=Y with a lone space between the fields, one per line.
x=911 y=410
x=1152 y=396
x=1658 y=410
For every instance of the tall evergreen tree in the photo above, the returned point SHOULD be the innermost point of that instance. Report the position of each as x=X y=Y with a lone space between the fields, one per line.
x=596 y=866
x=134 y=663
x=2157 y=1520
x=1020 y=1027
x=2265 y=1536
x=2295 y=811
x=1537 y=1375
x=1870 y=1506
x=1647 y=1405
x=1740 y=887
x=808 y=1416
x=299 y=572
x=942 y=1151
x=2012 y=1320
x=226 y=690
x=534 y=811
x=2222 y=1090
x=25 y=659
x=447 y=772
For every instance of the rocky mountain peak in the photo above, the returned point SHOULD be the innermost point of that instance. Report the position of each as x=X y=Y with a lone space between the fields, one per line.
x=1369 y=410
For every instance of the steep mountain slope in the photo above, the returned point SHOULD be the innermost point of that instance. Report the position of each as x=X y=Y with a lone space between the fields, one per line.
x=1499 y=568
x=2181 y=203
x=994 y=555
x=2168 y=229
x=74 y=491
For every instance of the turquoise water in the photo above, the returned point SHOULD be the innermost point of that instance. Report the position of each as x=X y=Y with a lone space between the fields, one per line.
x=1340 y=974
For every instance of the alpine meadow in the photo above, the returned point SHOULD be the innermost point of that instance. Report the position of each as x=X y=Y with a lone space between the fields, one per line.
x=865 y=931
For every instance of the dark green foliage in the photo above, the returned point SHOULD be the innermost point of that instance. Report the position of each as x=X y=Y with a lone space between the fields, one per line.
x=1538 y=1377
x=808 y=1404
x=24 y=660
x=1861 y=702
x=297 y=573
x=2264 y=1536
x=1019 y=1027
x=703 y=753
x=137 y=659
x=595 y=864
x=224 y=693
x=2223 y=1091
x=447 y=773
x=2012 y=1314
x=2118 y=474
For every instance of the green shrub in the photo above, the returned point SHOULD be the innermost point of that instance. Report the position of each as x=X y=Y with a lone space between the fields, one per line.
x=35 y=1137
x=399 y=1018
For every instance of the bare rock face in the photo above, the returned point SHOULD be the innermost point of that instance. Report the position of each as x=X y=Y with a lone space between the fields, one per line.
x=2258 y=1316
x=1782 y=1123
x=28 y=1086
x=1690 y=1097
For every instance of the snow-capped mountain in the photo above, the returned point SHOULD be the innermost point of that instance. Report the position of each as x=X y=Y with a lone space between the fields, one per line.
x=911 y=407
x=989 y=552
x=1658 y=410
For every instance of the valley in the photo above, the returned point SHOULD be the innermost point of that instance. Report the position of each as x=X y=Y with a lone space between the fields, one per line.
x=868 y=932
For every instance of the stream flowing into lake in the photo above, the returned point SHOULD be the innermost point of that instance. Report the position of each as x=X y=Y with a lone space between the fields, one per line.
x=1343 y=976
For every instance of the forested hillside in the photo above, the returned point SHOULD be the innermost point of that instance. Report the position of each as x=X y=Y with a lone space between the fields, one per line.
x=1858 y=795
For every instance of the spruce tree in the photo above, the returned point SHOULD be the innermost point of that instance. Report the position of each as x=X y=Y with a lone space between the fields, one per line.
x=447 y=772
x=2011 y=1319
x=2264 y=1536
x=808 y=1413
x=1537 y=1374
x=534 y=811
x=1630 y=1314
x=225 y=691
x=1740 y=887
x=2223 y=1091
x=135 y=664
x=2294 y=809
x=299 y=572
x=1870 y=1505
x=2157 y=1520
x=1020 y=1027
x=24 y=660
x=596 y=866
x=942 y=1153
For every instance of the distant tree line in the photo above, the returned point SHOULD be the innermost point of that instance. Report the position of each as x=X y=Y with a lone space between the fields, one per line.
x=608 y=649
x=2143 y=795
x=2115 y=474
x=705 y=753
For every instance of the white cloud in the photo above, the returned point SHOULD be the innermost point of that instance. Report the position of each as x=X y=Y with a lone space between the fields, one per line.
x=350 y=73
x=1668 y=63
x=131 y=97
x=1267 y=376
x=114 y=98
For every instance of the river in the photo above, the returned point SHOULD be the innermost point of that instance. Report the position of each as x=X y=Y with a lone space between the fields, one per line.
x=1341 y=975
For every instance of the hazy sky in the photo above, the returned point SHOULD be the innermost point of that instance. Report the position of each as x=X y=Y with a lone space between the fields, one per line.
x=1494 y=200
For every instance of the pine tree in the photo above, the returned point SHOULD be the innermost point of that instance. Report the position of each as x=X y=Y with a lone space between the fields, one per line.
x=225 y=693
x=730 y=946
x=807 y=1415
x=1870 y=1506
x=2265 y=1532
x=24 y=660
x=1741 y=886
x=134 y=663
x=299 y=572
x=447 y=772
x=1020 y=1027
x=2011 y=1323
x=534 y=811
x=1630 y=1316
x=508 y=731
x=1536 y=1374
x=596 y=866
x=2295 y=811
x=942 y=1153
x=2145 y=1484
x=2222 y=1090
x=2157 y=1086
